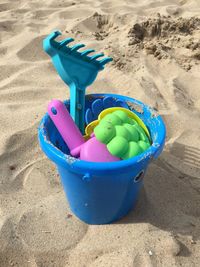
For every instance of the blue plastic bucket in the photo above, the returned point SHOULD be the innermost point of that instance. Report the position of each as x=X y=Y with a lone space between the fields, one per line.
x=100 y=193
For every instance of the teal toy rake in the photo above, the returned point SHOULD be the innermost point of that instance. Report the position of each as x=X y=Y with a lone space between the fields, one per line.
x=76 y=68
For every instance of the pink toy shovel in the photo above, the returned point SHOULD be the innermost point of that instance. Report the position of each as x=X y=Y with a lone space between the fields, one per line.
x=91 y=150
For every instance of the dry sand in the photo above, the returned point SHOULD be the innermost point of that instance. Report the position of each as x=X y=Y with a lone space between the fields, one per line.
x=156 y=60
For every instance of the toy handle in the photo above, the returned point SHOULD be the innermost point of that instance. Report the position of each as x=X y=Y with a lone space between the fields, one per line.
x=77 y=105
x=65 y=124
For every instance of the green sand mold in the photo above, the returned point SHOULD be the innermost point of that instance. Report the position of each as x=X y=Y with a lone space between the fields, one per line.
x=122 y=135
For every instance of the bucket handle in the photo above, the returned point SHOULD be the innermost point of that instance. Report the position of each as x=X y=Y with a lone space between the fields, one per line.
x=139 y=177
x=87 y=177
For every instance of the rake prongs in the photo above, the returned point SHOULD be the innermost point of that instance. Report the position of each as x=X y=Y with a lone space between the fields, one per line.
x=94 y=57
x=51 y=46
x=76 y=47
x=66 y=42
x=105 y=60
x=49 y=43
x=86 y=52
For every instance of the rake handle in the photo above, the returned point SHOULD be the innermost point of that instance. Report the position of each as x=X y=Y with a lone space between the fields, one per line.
x=77 y=106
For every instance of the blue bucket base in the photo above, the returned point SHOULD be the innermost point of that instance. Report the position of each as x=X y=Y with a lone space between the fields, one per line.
x=94 y=203
x=116 y=218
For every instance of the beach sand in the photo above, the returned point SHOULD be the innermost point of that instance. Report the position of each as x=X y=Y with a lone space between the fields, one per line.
x=156 y=51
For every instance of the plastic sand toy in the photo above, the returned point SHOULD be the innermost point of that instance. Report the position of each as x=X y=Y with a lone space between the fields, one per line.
x=90 y=127
x=117 y=136
x=122 y=135
x=90 y=150
x=77 y=69
x=98 y=192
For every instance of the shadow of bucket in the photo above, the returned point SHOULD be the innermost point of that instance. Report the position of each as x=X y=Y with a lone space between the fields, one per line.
x=100 y=193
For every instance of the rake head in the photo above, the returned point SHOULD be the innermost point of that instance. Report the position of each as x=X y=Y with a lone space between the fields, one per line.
x=76 y=68
x=71 y=64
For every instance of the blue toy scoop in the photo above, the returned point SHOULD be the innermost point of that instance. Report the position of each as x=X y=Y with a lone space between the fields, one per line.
x=76 y=68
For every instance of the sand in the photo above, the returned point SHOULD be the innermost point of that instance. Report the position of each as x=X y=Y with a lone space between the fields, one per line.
x=156 y=51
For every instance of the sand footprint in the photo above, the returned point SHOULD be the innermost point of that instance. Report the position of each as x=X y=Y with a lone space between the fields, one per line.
x=96 y=23
x=48 y=226
x=10 y=72
x=61 y=3
x=8 y=6
x=42 y=179
x=37 y=178
x=33 y=51
x=74 y=12
x=12 y=251
x=12 y=159
x=36 y=27
x=3 y=51
x=20 y=81
x=7 y=25
x=182 y=94
x=183 y=83
x=119 y=9
x=8 y=28
x=153 y=92
x=42 y=14
x=185 y=158
x=120 y=258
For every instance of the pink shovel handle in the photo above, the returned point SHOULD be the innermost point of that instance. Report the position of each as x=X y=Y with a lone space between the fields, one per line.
x=65 y=124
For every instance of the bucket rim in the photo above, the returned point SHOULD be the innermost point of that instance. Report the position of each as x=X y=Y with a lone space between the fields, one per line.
x=157 y=135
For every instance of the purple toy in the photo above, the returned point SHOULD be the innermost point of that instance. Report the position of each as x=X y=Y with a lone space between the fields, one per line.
x=91 y=150
x=65 y=124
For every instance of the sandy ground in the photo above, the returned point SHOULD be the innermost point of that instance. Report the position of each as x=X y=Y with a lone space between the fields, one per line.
x=156 y=51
